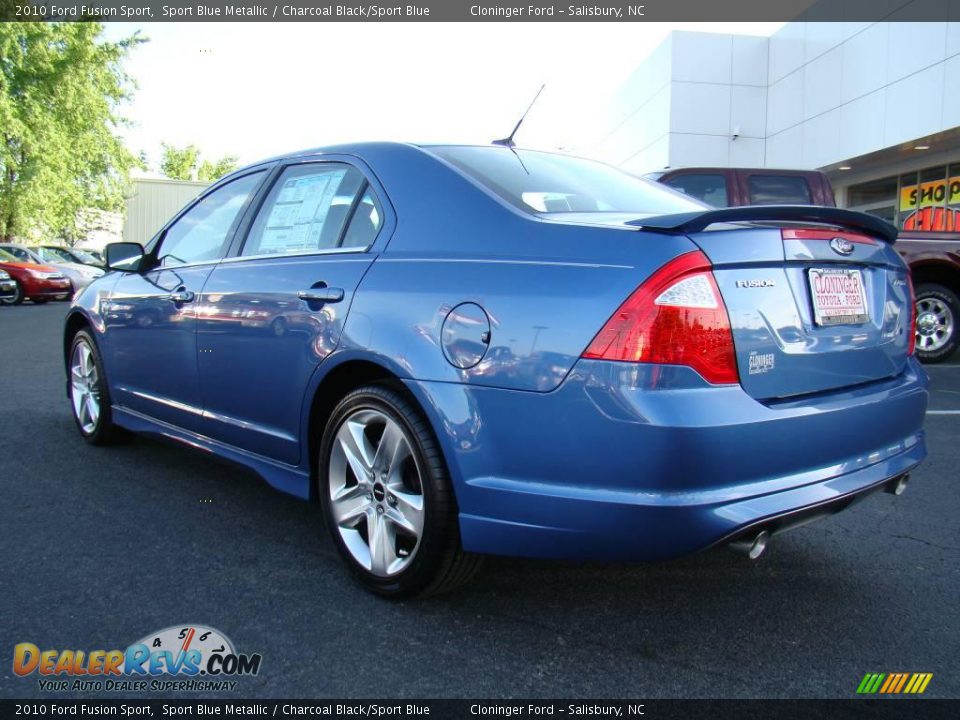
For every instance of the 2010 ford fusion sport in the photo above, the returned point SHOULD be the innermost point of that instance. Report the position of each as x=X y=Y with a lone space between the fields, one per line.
x=461 y=351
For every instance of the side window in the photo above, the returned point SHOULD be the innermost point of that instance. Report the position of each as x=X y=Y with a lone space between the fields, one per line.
x=365 y=223
x=202 y=234
x=778 y=190
x=711 y=189
x=308 y=208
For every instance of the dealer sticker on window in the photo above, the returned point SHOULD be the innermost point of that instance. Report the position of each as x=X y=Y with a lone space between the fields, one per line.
x=839 y=297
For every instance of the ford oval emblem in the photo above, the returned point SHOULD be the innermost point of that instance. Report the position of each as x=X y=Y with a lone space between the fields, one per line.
x=841 y=246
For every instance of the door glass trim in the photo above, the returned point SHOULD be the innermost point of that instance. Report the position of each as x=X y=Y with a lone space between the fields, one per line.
x=304 y=253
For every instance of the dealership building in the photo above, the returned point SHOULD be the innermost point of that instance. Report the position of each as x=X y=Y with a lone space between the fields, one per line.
x=874 y=105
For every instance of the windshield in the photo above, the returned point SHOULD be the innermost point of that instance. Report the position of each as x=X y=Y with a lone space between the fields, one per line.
x=547 y=183
x=55 y=255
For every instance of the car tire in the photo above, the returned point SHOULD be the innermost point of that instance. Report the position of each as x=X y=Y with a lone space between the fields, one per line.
x=374 y=520
x=88 y=384
x=938 y=315
x=17 y=296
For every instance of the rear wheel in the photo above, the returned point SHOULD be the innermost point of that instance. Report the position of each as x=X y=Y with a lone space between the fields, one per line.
x=938 y=312
x=387 y=499
x=17 y=296
x=89 y=397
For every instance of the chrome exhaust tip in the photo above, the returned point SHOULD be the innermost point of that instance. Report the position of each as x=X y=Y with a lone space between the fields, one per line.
x=752 y=547
x=898 y=486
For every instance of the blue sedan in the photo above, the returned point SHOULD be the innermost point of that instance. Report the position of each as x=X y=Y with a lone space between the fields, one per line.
x=459 y=351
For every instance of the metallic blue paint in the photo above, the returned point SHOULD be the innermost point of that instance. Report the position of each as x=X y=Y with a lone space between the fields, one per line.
x=550 y=455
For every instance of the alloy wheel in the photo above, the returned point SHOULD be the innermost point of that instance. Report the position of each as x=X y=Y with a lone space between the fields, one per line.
x=84 y=388
x=376 y=492
x=935 y=324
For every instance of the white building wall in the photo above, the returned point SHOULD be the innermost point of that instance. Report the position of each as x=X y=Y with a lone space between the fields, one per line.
x=811 y=96
x=153 y=202
x=841 y=90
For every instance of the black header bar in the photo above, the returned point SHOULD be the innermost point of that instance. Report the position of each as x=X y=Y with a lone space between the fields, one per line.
x=474 y=11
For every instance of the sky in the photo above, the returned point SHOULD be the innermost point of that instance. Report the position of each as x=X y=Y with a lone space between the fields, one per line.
x=254 y=90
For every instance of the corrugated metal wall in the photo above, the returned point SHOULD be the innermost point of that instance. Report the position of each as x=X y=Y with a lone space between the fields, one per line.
x=153 y=202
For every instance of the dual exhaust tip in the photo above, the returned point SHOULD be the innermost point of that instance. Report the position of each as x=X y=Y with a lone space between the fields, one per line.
x=753 y=546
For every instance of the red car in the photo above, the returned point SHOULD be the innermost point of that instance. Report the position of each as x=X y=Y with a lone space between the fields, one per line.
x=34 y=282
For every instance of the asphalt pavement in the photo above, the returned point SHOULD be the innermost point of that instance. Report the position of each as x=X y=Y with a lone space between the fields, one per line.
x=102 y=546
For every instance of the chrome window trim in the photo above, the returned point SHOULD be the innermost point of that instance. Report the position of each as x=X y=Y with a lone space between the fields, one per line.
x=303 y=253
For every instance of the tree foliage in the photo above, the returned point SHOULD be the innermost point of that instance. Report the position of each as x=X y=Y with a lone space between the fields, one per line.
x=180 y=163
x=60 y=154
x=185 y=164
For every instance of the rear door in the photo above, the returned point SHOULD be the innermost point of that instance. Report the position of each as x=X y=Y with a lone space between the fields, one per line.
x=272 y=312
x=811 y=310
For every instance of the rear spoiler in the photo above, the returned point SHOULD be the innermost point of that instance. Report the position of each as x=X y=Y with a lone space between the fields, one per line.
x=697 y=221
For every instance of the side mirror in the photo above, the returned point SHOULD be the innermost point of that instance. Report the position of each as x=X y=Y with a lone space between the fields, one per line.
x=124 y=256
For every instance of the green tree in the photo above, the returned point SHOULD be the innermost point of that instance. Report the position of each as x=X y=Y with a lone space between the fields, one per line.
x=61 y=87
x=185 y=164
x=180 y=163
x=210 y=171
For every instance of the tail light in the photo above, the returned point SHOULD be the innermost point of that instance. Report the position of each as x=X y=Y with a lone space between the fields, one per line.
x=676 y=317
x=912 y=339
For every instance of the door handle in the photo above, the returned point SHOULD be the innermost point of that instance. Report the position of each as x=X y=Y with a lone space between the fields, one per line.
x=321 y=295
x=181 y=296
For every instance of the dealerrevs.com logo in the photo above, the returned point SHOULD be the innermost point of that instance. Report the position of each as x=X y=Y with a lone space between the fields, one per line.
x=181 y=657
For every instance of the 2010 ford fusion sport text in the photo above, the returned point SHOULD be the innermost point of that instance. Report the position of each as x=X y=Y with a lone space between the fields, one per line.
x=461 y=351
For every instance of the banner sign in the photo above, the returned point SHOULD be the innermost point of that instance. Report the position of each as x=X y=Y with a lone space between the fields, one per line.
x=926 y=206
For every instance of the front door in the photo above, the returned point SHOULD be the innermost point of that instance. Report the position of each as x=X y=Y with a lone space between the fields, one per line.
x=151 y=315
x=271 y=314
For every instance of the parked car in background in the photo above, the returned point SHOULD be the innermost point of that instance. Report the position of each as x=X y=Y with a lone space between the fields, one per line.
x=59 y=253
x=79 y=275
x=97 y=256
x=933 y=257
x=31 y=281
x=494 y=350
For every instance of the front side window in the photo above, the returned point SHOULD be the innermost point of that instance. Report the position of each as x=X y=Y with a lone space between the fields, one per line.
x=778 y=190
x=708 y=188
x=202 y=234
x=548 y=183
x=308 y=210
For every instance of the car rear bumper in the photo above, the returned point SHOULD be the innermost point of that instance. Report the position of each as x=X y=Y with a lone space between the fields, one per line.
x=643 y=462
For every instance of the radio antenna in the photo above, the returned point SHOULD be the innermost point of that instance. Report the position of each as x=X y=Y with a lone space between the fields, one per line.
x=508 y=141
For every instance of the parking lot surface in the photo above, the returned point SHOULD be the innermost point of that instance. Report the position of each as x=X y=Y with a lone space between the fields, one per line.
x=102 y=546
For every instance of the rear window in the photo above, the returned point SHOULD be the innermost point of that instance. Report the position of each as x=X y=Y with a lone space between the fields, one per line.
x=778 y=190
x=547 y=183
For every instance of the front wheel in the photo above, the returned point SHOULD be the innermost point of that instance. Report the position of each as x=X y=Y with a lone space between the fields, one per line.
x=89 y=397
x=938 y=311
x=387 y=498
x=17 y=296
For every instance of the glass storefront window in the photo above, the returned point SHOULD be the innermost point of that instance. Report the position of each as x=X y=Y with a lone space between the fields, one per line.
x=928 y=200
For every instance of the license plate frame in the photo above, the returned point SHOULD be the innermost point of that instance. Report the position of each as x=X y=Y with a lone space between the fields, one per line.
x=832 y=303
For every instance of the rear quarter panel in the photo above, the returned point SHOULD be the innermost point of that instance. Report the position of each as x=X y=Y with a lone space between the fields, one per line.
x=547 y=288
